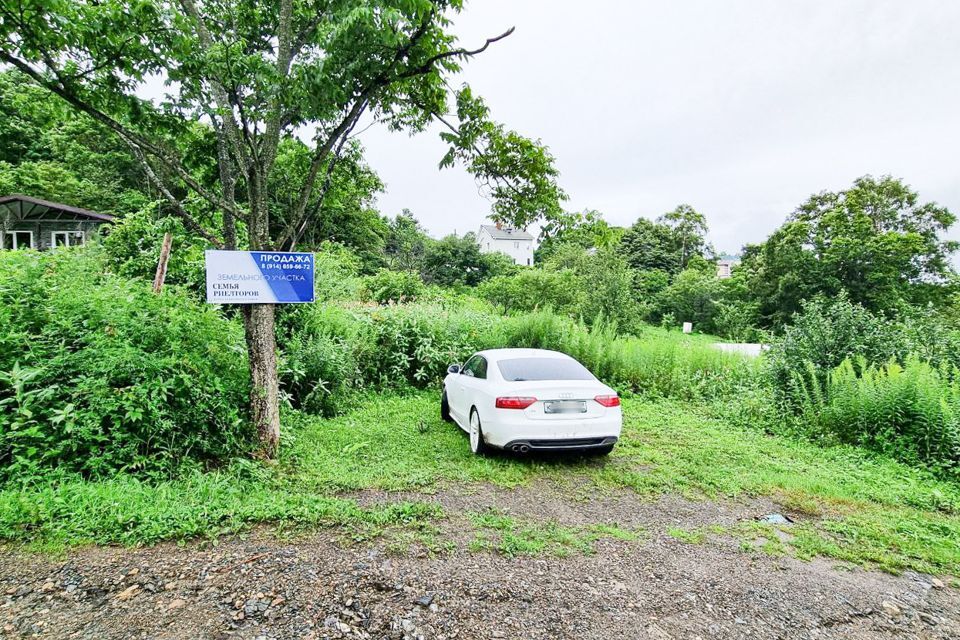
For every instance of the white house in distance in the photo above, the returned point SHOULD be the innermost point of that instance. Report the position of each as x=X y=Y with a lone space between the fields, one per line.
x=516 y=243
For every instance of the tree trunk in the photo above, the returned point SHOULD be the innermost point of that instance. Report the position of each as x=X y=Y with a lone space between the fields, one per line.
x=258 y=323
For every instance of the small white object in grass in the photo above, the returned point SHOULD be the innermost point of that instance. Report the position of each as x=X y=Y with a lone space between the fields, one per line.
x=688 y=327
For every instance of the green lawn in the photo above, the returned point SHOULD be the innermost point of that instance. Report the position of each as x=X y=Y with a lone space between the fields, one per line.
x=855 y=506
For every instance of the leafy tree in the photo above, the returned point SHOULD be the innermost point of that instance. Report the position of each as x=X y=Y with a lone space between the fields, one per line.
x=454 y=260
x=47 y=151
x=689 y=231
x=605 y=284
x=586 y=229
x=779 y=275
x=874 y=243
x=649 y=245
x=532 y=289
x=344 y=207
x=405 y=243
x=667 y=244
x=692 y=297
x=258 y=72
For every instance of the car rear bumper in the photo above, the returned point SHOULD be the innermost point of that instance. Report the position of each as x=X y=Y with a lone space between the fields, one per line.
x=505 y=427
x=559 y=444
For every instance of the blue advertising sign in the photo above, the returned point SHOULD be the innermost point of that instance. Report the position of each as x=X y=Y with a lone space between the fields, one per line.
x=254 y=277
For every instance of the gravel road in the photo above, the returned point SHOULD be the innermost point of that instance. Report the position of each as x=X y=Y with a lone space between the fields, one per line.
x=262 y=586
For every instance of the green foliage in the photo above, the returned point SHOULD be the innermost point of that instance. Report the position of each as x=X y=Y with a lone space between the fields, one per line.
x=344 y=211
x=393 y=286
x=48 y=151
x=688 y=230
x=910 y=412
x=875 y=241
x=516 y=173
x=691 y=297
x=604 y=283
x=98 y=374
x=406 y=243
x=667 y=244
x=532 y=289
x=825 y=334
x=133 y=249
x=456 y=260
x=587 y=230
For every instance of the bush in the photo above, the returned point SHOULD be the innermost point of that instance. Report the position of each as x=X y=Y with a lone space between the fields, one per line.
x=133 y=249
x=98 y=374
x=691 y=297
x=532 y=289
x=334 y=353
x=910 y=412
x=823 y=335
x=393 y=286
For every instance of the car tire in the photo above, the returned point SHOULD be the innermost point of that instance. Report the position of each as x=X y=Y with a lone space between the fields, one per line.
x=477 y=445
x=445 y=407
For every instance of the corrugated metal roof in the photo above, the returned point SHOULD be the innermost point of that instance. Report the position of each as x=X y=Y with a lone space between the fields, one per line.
x=56 y=206
x=506 y=233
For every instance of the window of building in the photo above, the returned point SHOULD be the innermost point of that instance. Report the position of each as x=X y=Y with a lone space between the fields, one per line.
x=18 y=240
x=66 y=238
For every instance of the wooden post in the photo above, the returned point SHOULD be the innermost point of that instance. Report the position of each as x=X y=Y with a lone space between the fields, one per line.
x=162 y=265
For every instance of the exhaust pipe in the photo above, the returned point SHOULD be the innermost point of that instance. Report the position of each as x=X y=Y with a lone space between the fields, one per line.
x=524 y=448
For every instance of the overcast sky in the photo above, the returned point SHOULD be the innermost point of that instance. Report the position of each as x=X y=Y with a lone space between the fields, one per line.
x=739 y=108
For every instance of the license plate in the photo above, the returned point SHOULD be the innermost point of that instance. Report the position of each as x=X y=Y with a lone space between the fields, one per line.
x=565 y=406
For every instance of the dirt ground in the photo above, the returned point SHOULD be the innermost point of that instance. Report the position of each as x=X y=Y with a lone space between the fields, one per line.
x=262 y=586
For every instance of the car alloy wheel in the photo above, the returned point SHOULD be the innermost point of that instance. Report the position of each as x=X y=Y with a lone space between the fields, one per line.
x=477 y=445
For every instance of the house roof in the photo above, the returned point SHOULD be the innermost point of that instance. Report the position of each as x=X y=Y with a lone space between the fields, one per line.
x=36 y=205
x=506 y=233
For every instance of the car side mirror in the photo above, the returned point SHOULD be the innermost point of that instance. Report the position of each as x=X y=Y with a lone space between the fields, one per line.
x=454 y=368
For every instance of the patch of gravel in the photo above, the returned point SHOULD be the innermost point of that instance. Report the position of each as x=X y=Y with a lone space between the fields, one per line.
x=258 y=587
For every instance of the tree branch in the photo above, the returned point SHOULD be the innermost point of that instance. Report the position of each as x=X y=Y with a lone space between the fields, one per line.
x=427 y=66
x=188 y=220
x=157 y=151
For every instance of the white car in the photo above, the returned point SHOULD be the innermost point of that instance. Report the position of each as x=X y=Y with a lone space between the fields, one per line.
x=526 y=400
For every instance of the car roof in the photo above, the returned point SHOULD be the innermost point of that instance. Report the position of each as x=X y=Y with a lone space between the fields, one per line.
x=494 y=355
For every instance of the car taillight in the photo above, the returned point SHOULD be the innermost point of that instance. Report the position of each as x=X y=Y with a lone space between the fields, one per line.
x=608 y=401
x=514 y=403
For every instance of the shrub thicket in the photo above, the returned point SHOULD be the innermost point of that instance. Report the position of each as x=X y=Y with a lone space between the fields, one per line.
x=334 y=352
x=98 y=374
x=910 y=412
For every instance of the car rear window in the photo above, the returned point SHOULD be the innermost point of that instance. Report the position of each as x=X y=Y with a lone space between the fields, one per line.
x=519 y=369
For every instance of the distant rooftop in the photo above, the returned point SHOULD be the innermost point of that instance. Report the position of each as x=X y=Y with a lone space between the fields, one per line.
x=506 y=233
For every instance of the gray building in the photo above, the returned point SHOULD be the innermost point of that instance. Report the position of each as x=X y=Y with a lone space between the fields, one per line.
x=725 y=265
x=32 y=223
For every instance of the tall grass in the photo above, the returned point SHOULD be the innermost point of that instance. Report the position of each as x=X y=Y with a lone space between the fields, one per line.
x=909 y=411
x=658 y=363
x=332 y=352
